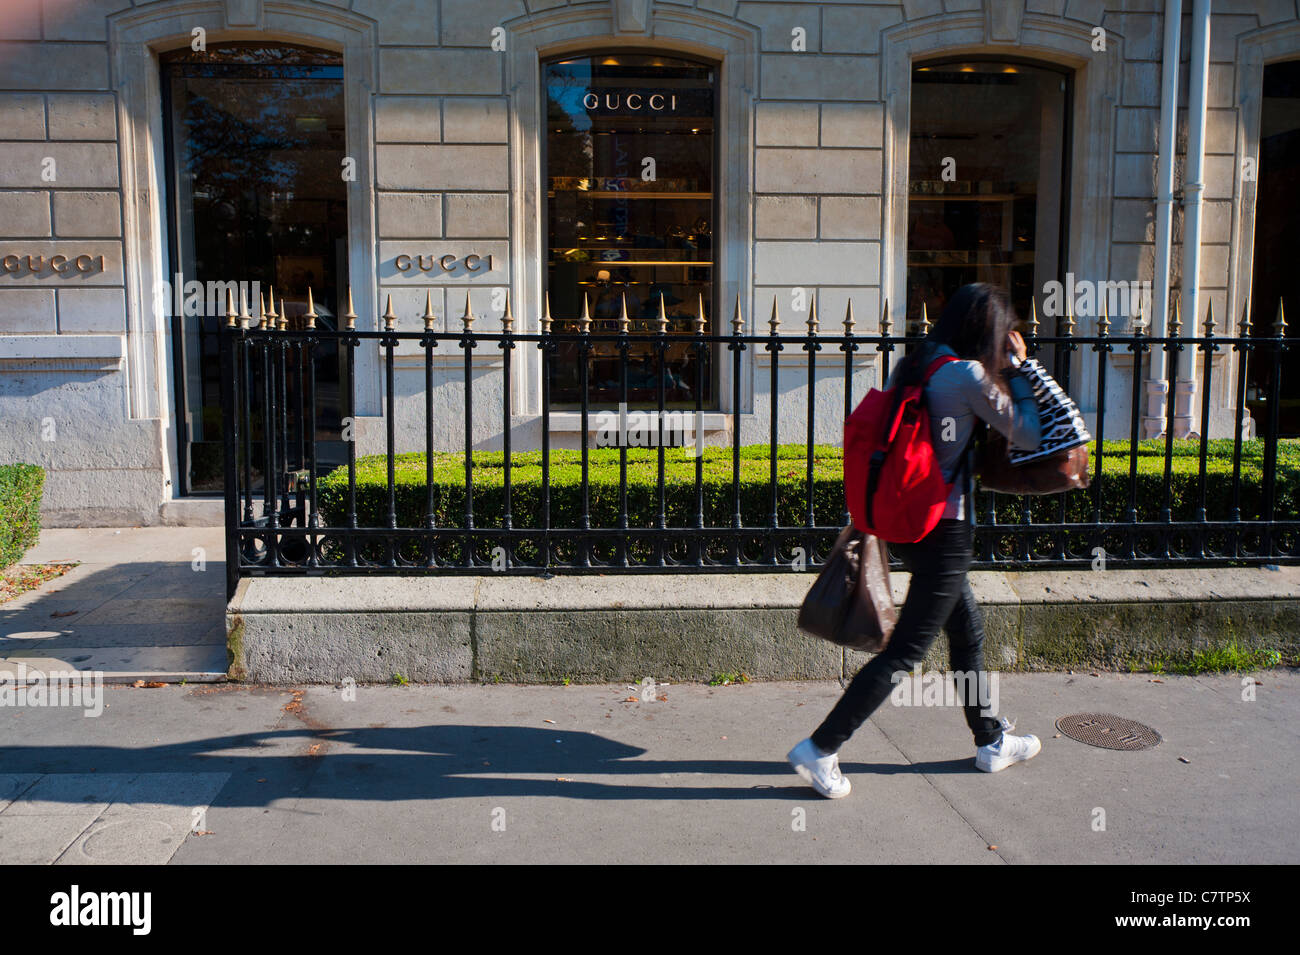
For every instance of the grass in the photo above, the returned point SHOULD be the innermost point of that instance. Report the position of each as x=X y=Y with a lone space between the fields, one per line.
x=1230 y=657
x=727 y=679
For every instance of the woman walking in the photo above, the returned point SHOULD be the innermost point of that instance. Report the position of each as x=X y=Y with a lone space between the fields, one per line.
x=981 y=388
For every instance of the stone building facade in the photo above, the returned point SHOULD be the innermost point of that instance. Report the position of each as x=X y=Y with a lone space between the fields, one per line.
x=443 y=107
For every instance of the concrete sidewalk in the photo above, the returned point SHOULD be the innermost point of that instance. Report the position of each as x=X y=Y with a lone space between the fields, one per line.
x=552 y=774
x=144 y=603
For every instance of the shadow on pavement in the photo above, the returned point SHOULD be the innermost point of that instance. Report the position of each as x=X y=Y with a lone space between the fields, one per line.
x=436 y=762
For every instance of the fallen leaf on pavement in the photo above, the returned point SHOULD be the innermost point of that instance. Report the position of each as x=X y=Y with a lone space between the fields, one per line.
x=63 y=613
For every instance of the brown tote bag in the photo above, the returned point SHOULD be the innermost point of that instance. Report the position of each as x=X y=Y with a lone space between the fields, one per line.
x=850 y=603
x=1059 y=463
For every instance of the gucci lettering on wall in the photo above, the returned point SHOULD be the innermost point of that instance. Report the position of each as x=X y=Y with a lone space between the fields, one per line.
x=472 y=264
x=630 y=102
x=53 y=264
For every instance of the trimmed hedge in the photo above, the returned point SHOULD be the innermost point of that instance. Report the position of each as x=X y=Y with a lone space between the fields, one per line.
x=21 y=486
x=792 y=493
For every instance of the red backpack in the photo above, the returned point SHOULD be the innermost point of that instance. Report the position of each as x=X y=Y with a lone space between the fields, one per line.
x=893 y=485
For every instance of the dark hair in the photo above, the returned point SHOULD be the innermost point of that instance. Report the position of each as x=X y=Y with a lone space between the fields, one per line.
x=974 y=323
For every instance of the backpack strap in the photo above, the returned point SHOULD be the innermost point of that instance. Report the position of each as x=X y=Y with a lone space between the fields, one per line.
x=935 y=366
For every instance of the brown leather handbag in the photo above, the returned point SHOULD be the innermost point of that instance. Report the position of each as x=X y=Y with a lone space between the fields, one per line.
x=850 y=602
x=1060 y=471
x=1059 y=463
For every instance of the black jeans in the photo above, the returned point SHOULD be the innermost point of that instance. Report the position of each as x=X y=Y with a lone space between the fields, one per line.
x=939 y=596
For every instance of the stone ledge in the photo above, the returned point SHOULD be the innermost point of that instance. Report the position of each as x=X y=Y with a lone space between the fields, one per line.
x=692 y=627
x=61 y=352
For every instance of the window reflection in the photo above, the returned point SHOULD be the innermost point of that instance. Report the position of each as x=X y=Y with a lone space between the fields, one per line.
x=987 y=185
x=255 y=143
x=630 y=206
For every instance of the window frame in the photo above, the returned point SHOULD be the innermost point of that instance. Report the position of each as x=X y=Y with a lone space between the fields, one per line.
x=715 y=202
x=1061 y=266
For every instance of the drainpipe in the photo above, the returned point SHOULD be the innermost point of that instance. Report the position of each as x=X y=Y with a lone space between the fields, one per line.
x=1193 y=193
x=1153 y=422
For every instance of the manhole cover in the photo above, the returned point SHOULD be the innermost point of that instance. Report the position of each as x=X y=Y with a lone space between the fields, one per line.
x=1108 y=731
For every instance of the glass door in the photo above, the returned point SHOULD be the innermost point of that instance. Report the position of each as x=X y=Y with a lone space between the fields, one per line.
x=1277 y=244
x=255 y=143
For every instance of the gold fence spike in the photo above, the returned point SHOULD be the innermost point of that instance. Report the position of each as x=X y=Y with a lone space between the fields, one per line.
x=737 y=320
x=663 y=316
x=546 y=313
x=468 y=318
x=310 y=314
x=390 y=317
x=1176 y=321
x=884 y=319
x=1033 y=318
x=269 y=320
x=701 y=323
x=429 y=317
x=231 y=315
x=508 y=317
x=284 y=315
x=848 y=318
x=1068 y=325
x=925 y=320
x=624 y=323
x=1244 y=331
x=1209 y=319
x=1279 y=326
x=1103 y=323
x=774 y=322
x=584 y=320
x=812 y=315
x=350 y=316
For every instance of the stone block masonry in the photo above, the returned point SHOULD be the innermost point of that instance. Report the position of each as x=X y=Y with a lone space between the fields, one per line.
x=695 y=627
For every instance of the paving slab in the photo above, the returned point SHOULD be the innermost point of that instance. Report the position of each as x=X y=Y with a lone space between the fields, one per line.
x=142 y=604
x=193 y=664
x=119 y=818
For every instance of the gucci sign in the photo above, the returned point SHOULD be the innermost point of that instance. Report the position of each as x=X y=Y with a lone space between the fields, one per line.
x=446 y=263
x=631 y=102
x=60 y=264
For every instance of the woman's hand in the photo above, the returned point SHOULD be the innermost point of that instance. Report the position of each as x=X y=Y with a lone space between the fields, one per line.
x=1016 y=345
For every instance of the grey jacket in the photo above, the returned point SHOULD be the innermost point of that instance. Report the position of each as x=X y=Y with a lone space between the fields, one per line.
x=961 y=392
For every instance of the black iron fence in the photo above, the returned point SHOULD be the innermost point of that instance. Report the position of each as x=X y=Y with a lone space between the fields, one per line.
x=683 y=505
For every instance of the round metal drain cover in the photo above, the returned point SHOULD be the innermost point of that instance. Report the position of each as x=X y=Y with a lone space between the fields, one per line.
x=1108 y=731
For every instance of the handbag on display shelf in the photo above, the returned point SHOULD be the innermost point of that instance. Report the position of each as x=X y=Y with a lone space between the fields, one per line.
x=850 y=602
x=1059 y=463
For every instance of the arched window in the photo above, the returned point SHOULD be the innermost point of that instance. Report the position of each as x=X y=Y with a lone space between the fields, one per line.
x=630 y=164
x=988 y=188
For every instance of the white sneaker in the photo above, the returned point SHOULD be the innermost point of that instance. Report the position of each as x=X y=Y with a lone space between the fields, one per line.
x=820 y=771
x=1010 y=749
